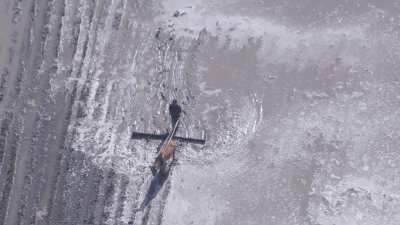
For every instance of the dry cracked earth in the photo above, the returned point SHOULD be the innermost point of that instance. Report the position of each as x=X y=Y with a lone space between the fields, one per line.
x=299 y=101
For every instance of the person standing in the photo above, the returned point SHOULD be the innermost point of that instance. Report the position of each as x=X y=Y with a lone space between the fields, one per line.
x=175 y=112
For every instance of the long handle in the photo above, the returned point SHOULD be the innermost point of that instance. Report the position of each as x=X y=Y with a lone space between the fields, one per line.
x=170 y=135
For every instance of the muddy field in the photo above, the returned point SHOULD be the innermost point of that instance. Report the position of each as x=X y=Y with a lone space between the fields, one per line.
x=299 y=101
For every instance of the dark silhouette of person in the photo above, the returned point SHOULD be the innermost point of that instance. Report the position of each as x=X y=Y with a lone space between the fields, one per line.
x=174 y=111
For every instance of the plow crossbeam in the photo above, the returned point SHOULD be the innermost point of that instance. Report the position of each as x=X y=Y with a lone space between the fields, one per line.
x=138 y=135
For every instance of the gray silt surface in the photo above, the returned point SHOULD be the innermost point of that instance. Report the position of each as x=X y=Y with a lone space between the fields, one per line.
x=299 y=101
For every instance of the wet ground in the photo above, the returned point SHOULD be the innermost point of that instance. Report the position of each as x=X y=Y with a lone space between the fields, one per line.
x=299 y=102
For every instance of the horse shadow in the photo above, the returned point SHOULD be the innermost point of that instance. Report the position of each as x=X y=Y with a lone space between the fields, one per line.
x=156 y=184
